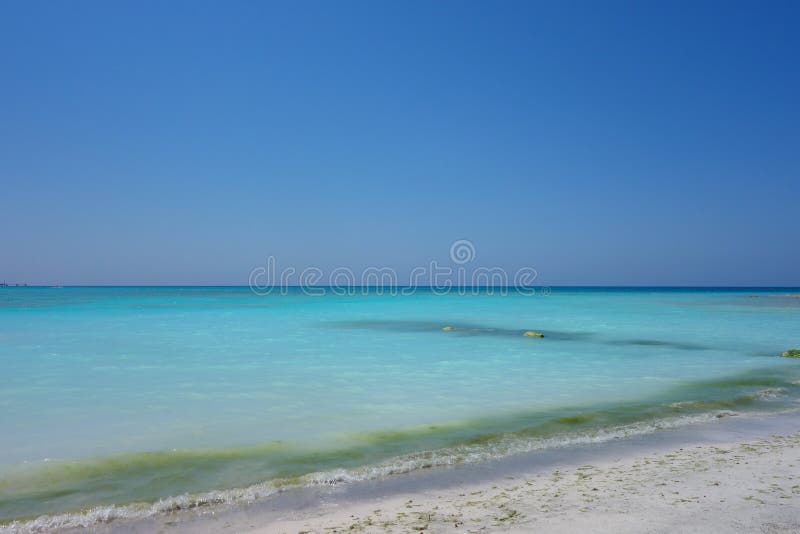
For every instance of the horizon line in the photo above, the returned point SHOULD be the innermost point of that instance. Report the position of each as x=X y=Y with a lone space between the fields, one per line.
x=398 y=286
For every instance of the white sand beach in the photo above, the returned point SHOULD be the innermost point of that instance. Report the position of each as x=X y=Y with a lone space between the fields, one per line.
x=742 y=486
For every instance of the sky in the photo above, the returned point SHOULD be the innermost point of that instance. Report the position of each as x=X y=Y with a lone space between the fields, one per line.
x=609 y=143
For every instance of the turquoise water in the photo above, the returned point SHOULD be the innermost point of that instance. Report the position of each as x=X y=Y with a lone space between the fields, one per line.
x=112 y=396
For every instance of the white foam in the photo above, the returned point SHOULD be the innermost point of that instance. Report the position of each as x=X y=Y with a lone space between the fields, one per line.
x=771 y=393
x=503 y=447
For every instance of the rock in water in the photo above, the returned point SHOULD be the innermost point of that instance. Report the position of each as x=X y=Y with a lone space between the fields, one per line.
x=791 y=353
x=447 y=328
x=532 y=333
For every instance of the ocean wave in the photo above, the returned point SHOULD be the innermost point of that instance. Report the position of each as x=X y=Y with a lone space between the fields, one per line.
x=260 y=471
x=507 y=445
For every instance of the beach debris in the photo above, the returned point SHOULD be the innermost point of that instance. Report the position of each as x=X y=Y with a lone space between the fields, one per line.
x=532 y=333
x=448 y=328
x=791 y=353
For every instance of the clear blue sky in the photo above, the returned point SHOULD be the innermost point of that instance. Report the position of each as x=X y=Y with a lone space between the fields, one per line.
x=599 y=142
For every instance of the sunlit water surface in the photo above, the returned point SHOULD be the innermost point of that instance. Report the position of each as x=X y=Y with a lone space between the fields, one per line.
x=120 y=395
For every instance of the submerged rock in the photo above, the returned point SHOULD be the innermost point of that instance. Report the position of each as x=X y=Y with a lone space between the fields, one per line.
x=791 y=353
x=532 y=333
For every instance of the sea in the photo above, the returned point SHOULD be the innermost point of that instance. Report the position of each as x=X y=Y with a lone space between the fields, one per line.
x=126 y=402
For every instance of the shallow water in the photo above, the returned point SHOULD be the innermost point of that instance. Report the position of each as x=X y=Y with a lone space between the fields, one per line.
x=115 y=395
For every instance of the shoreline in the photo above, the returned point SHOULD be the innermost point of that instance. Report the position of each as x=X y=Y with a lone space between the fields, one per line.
x=671 y=479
